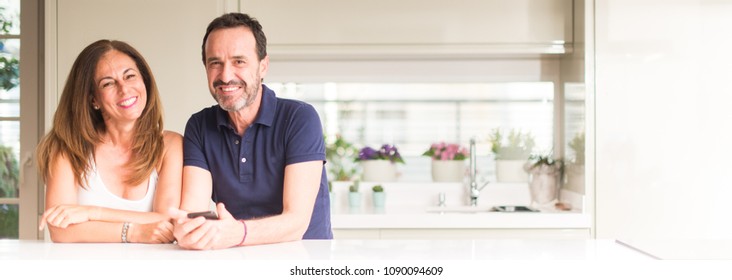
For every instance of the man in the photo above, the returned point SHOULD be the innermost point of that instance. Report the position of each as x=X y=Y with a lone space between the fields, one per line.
x=258 y=156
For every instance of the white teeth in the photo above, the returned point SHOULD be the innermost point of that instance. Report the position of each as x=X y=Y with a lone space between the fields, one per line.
x=227 y=89
x=128 y=102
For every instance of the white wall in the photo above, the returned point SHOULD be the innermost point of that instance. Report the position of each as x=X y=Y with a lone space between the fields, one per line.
x=663 y=113
x=168 y=33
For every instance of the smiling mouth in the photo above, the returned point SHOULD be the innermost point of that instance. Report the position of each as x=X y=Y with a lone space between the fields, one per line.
x=228 y=89
x=128 y=102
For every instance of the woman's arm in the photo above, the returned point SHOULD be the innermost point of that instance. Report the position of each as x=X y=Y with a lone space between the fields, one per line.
x=170 y=175
x=65 y=217
x=108 y=232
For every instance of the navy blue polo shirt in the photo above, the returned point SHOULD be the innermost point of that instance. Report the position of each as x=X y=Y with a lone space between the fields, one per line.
x=248 y=172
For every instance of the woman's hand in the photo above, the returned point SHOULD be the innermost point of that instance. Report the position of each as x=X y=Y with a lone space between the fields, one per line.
x=157 y=232
x=64 y=215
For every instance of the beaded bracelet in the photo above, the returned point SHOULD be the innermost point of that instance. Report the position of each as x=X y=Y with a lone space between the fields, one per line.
x=245 y=233
x=125 y=227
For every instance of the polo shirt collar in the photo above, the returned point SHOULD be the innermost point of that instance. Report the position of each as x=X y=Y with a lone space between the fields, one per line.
x=266 y=113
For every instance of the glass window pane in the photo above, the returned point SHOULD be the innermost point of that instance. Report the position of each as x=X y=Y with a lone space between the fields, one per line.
x=10 y=17
x=8 y=221
x=9 y=117
x=412 y=116
x=9 y=108
x=9 y=77
x=9 y=154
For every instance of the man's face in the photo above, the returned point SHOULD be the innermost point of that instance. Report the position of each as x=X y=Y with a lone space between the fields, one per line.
x=234 y=72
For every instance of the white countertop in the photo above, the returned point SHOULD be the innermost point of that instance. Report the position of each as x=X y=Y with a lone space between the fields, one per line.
x=454 y=259
x=414 y=206
x=683 y=249
x=430 y=217
x=494 y=249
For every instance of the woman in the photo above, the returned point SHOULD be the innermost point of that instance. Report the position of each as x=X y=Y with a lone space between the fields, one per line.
x=111 y=171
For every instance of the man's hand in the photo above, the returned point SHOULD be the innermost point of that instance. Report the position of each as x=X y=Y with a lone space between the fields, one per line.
x=201 y=234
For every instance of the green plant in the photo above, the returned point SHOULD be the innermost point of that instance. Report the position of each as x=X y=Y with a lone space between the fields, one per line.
x=9 y=173
x=9 y=72
x=548 y=160
x=577 y=144
x=515 y=146
x=338 y=155
x=378 y=188
x=354 y=186
x=9 y=221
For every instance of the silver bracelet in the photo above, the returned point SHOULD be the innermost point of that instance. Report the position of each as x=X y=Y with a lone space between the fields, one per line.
x=125 y=227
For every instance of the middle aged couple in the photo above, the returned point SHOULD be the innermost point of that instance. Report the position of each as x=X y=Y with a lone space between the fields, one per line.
x=114 y=175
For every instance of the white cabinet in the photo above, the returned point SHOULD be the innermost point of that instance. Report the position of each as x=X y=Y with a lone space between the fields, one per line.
x=406 y=28
x=461 y=233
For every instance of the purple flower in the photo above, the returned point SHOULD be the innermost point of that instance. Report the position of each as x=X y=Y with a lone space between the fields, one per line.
x=386 y=152
x=367 y=153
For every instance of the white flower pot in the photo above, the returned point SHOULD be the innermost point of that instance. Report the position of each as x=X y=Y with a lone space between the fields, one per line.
x=448 y=170
x=378 y=171
x=544 y=187
x=511 y=171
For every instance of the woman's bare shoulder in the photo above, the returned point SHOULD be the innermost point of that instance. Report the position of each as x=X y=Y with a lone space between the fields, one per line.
x=171 y=137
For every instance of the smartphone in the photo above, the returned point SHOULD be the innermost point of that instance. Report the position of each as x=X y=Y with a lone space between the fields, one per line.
x=209 y=215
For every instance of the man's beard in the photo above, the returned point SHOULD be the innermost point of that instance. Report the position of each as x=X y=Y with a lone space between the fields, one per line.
x=246 y=99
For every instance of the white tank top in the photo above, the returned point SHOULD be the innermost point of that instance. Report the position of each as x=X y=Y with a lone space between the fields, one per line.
x=97 y=194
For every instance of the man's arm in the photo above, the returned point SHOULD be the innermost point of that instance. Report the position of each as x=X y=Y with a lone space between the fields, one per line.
x=301 y=185
x=197 y=189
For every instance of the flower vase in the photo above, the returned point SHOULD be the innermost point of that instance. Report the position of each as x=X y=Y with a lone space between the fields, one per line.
x=354 y=199
x=379 y=171
x=543 y=185
x=511 y=171
x=448 y=170
x=379 y=199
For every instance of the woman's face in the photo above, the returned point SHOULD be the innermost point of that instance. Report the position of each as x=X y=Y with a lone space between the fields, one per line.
x=120 y=90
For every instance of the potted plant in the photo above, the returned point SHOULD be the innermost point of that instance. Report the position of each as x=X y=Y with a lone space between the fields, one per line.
x=544 y=173
x=379 y=196
x=338 y=155
x=379 y=165
x=575 y=169
x=354 y=196
x=448 y=161
x=511 y=153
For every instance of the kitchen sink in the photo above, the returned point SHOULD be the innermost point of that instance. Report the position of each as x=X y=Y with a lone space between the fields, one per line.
x=481 y=209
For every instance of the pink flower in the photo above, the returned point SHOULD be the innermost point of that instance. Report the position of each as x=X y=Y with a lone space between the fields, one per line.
x=443 y=151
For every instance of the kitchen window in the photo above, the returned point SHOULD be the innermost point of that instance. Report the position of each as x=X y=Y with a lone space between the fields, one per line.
x=9 y=117
x=414 y=115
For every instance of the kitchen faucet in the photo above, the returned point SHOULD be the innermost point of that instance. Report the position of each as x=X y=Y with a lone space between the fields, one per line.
x=474 y=190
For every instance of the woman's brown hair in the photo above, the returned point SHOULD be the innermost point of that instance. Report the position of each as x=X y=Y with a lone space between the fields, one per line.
x=77 y=127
